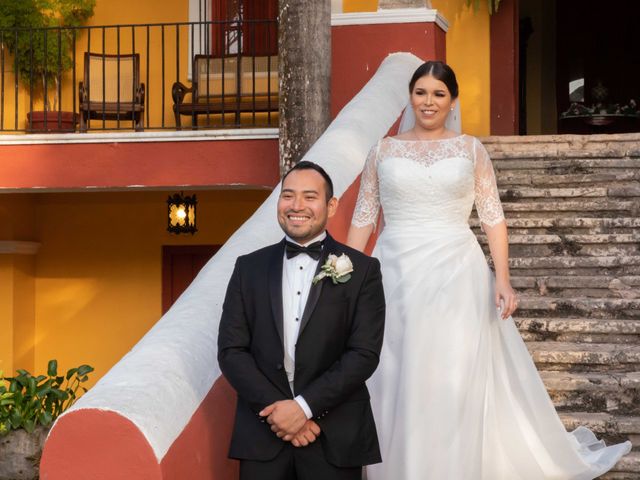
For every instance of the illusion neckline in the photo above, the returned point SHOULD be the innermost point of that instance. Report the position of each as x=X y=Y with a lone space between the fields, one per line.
x=428 y=140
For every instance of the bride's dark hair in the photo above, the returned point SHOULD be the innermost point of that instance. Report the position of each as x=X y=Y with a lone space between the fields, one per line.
x=438 y=70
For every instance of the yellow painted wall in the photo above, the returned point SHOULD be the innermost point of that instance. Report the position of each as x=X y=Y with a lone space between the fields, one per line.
x=98 y=272
x=468 y=47
x=6 y=314
x=352 y=6
x=17 y=312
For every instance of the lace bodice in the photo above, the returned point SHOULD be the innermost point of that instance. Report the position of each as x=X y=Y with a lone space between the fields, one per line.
x=428 y=181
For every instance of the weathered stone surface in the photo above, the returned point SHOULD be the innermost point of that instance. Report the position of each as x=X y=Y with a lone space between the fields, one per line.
x=591 y=205
x=617 y=392
x=584 y=239
x=579 y=325
x=526 y=192
x=564 y=165
x=569 y=262
x=589 y=307
x=601 y=422
x=573 y=210
x=568 y=281
x=595 y=223
x=603 y=176
x=20 y=453
x=628 y=468
x=584 y=353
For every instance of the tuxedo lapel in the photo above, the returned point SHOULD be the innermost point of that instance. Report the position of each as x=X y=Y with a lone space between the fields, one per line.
x=316 y=290
x=275 y=288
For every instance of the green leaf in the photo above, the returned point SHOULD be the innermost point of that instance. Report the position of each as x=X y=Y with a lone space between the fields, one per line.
x=84 y=370
x=52 y=368
x=22 y=372
x=15 y=419
x=344 y=278
x=31 y=389
x=43 y=391
x=45 y=419
x=29 y=426
x=70 y=373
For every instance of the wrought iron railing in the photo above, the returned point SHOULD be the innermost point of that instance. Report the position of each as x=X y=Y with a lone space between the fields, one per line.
x=139 y=77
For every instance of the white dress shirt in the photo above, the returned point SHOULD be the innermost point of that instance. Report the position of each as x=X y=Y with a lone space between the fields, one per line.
x=297 y=277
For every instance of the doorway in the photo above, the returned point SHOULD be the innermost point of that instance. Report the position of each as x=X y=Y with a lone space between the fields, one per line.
x=180 y=265
x=579 y=68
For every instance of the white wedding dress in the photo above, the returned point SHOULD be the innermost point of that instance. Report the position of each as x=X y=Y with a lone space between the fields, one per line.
x=456 y=395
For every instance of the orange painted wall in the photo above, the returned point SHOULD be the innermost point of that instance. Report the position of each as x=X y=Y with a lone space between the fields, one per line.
x=97 y=276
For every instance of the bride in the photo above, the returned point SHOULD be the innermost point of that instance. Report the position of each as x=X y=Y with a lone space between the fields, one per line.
x=456 y=395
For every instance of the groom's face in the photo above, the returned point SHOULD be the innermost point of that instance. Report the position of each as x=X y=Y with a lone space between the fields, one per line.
x=303 y=209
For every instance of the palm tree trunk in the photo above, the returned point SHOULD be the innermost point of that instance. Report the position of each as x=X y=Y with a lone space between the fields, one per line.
x=304 y=45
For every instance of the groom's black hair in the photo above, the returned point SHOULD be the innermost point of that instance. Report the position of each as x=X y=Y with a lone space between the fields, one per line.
x=306 y=165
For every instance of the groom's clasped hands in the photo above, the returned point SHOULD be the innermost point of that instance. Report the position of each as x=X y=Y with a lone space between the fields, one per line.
x=288 y=422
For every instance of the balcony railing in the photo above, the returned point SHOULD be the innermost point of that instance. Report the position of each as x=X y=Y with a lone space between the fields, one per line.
x=162 y=76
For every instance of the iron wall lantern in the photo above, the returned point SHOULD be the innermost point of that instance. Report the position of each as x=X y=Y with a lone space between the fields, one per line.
x=182 y=213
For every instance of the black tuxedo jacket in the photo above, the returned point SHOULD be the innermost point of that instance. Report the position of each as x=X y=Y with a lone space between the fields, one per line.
x=338 y=348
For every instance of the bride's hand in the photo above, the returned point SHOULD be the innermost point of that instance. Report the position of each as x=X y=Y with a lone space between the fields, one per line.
x=506 y=299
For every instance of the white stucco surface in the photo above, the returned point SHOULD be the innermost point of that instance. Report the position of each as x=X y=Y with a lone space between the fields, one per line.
x=160 y=383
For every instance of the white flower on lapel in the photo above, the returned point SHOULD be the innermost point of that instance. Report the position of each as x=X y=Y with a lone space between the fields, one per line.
x=338 y=269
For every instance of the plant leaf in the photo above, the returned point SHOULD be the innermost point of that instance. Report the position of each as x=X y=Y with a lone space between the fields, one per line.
x=52 y=368
x=84 y=369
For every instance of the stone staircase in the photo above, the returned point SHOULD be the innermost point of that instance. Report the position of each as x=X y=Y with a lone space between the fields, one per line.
x=573 y=210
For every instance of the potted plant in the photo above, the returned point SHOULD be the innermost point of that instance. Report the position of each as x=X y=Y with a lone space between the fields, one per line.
x=35 y=33
x=28 y=407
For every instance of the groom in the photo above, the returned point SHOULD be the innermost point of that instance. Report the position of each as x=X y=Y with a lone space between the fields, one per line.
x=298 y=350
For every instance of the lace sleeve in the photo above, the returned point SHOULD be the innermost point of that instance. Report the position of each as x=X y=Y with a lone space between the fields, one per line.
x=368 y=203
x=487 y=199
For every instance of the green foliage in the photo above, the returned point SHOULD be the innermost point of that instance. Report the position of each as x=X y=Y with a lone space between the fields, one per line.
x=37 y=33
x=492 y=4
x=27 y=401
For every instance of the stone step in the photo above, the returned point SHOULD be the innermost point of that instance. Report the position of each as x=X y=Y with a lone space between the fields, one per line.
x=611 y=238
x=620 y=308
x=597 y=224
x=630 y=207
x=579 y=330
x=596 y=245
x=604 y=177
x=562 y=166
x=564 y=146
x=575 y=281
x=510 y=194
x=610 y=286
x=565 y=265
x=612 y=428
x=560 y=262
x=628 y=468
x=598 y=357
x=593 y=391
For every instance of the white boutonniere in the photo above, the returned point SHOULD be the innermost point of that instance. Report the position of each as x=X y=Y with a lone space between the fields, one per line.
x=338 y=269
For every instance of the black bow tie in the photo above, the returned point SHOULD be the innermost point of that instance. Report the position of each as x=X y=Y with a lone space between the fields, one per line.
x=314 y=250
